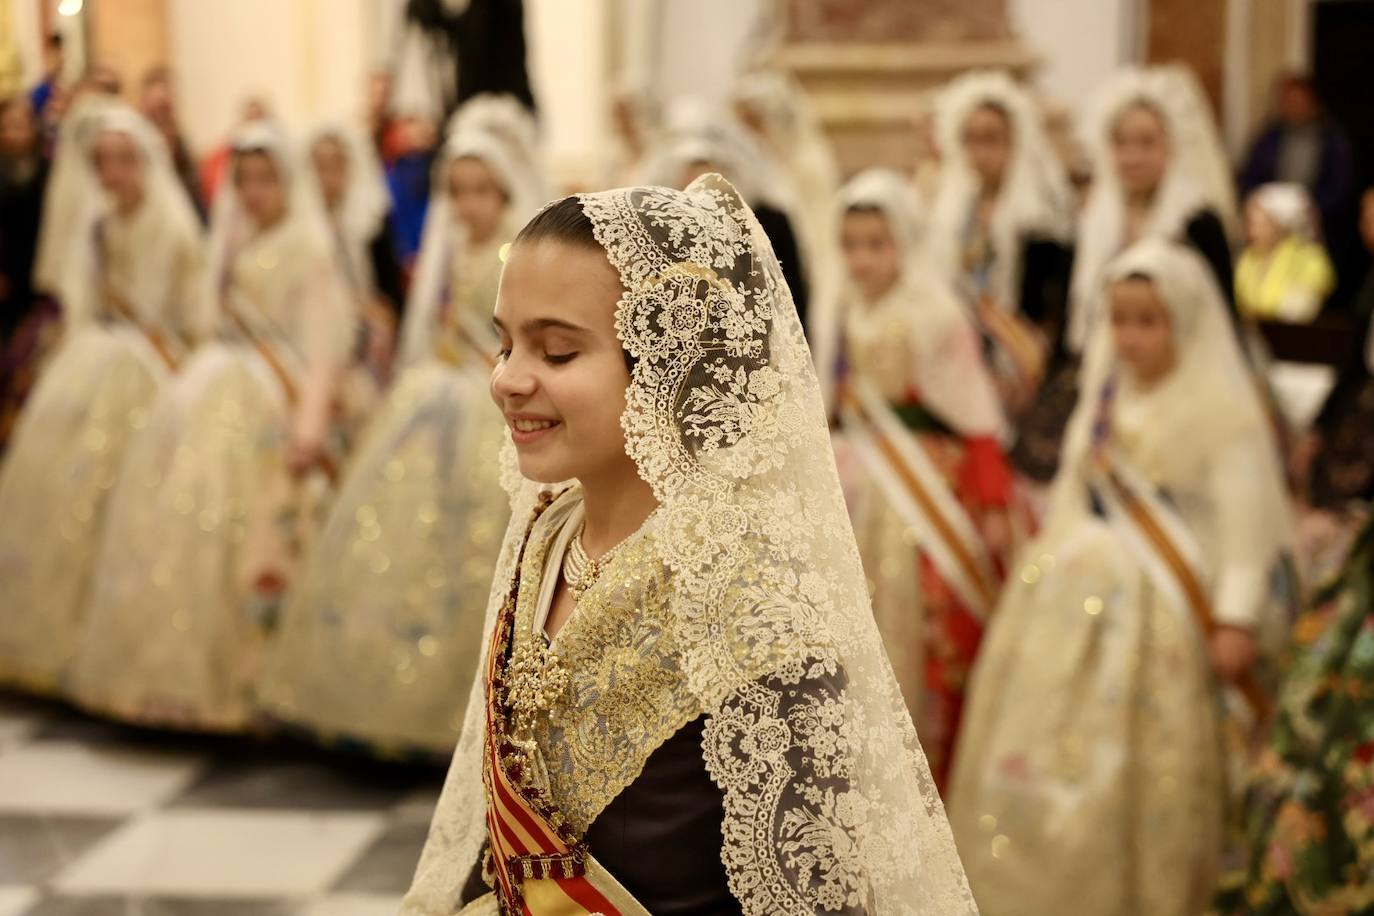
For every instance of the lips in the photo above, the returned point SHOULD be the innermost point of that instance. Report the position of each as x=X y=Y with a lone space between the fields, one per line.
x=526 y=430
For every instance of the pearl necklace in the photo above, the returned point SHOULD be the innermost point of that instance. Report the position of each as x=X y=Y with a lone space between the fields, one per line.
x=580 y=571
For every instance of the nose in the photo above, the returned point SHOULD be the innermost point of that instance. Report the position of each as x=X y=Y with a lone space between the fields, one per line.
x=511 y=381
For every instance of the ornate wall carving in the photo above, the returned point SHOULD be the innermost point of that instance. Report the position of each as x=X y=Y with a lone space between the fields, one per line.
x=882 y=21
x=870 y=65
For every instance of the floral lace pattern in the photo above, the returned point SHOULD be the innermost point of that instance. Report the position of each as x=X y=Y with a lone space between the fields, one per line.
x=622 y=694
x=828 y=800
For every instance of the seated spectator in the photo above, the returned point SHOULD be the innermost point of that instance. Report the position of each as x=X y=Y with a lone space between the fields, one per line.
x=1284 y=273
x=1304 y=146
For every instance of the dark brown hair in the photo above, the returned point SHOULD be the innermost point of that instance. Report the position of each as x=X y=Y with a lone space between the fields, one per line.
x=561 y=221
x=864 y=208
x=565 y=221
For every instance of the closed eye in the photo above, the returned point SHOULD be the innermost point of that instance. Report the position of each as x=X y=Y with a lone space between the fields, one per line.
x=559 y=359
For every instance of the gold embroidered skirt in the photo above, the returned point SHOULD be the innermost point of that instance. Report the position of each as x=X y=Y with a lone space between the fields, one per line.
x=1089 y=777
x=199 y=536
x=380 y=637
x=56 y=478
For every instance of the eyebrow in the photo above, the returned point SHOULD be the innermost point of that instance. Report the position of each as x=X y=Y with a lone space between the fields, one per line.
x=542 y=324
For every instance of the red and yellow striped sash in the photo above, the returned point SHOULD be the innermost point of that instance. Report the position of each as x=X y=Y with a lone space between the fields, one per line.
x=538 y=865
x=951 y=544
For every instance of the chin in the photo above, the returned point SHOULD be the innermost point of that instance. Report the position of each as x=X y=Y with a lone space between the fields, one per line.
x=542 y=470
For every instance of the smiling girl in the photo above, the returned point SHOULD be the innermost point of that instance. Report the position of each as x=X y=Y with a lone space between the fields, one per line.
x=684 y=706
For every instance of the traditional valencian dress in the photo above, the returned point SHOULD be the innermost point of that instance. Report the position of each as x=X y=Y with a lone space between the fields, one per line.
x=799 y=152
x=921 y=460
x=360 y=224
x=716 y=728
x=201 y=532
x=1091 y=777
x=69 y=203
x=1194 y=205
x=132 y=307
x=381 y=636
x=1011 y=269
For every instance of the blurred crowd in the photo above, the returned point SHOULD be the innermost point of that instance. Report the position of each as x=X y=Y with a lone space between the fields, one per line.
x=251 y=472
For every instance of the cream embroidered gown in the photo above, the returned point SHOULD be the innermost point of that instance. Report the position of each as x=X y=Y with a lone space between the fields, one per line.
x=1090 y=777
x=932 y=373
x=920 y=356
x=201 y=532
x=381 y=636
x=92 y=397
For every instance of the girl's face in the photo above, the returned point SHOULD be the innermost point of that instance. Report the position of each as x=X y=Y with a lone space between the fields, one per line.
x=331 y=169
x=119 y=167
x=260 y=187
x=1142 y=330
x=987 y=143
x=478 y=198
x=870 y=252
x=1260 y=229
x=561 y=376
x=1140 y=147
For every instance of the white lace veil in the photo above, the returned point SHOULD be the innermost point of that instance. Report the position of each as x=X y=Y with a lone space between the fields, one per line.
x=1196 y=176
x=829 y=804
x=698 y=131
x=934 y=310
x=504 y=117
x=789 y=119
x=792 y=129
x=935 y=306
x=230 y=224
x=1035 y=197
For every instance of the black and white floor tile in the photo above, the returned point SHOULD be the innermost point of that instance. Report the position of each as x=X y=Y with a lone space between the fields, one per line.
x=101 y=820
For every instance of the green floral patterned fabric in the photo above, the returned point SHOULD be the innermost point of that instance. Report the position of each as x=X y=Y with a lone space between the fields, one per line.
x=1310 y=803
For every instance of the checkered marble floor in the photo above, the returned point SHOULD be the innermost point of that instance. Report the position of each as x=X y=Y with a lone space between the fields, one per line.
x=101 y=820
